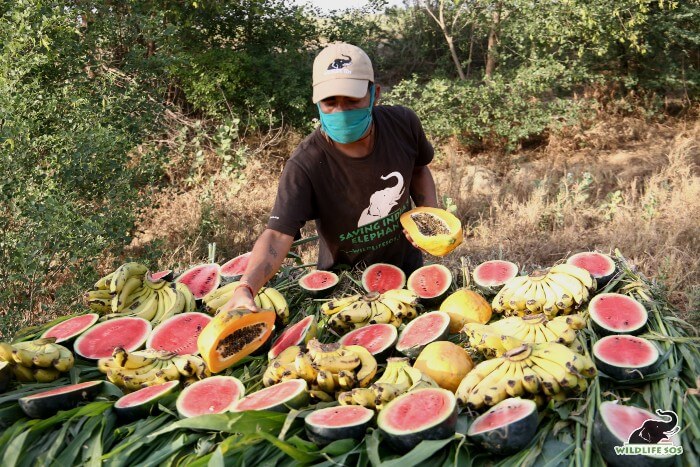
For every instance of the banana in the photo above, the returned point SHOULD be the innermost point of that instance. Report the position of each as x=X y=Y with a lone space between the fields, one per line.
x=501 y=301
x=396 y=307
x=368 y=365
x=498 y=391
x=357 y=312
x=572 y=286
x=23 y=353
x=165 y=301
x=200 y=367
x=549 y=306
x=132 y=286
x=563 y=299
x=100 y=294
x=346 y=379
x=215 y=303
x=154 y=284
x=190 y=301
x=380 y=312
x=321 y=395
x=364 y=396
x=334 y=362
x=338 y=325
x=476 y=397
x=391 y=371
x=514 y=383
x=333 y=306
x=6 y=352
x=575 y=321
x=288 y=355
x=325 y=381
x=560 y=373
x=265 y=302
x=123 y=273
x=103 y=282
x=580 y=274
x=419 y=379
x=305 y=367
x=22 y=373
x=520 y=296
x=269 y=377
x=65 y=360
x=46 y=353
x=101 y=306
x=279 y=303
x=132 y=360
x=508 y=326
x=177 y=306
x=184 y=367
x=223 y=290
x=548 y=383
x=46 y=375
x=385 y=393
x=531 y=380
x=169 y=371
x=148 y=308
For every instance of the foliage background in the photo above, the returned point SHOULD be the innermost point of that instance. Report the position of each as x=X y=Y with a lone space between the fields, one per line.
x=143 y=129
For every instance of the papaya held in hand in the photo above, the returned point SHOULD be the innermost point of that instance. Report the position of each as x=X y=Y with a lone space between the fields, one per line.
x=434 y=230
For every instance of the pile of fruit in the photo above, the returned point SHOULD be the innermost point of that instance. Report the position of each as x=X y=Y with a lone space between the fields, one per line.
x=379 y=361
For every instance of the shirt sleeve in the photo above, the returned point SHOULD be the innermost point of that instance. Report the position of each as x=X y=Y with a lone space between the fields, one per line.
x=294 y=201
x=425 y=149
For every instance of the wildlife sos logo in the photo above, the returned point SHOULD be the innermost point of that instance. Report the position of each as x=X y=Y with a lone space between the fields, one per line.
x=339 y=65
x=654 y=437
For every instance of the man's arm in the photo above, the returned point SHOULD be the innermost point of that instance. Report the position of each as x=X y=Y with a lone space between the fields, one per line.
x=423 y=187
x=268 y=254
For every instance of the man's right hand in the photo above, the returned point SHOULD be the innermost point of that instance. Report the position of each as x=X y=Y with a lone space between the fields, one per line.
x=241 y=299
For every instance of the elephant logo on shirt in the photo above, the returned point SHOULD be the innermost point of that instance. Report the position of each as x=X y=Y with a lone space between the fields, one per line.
x=381 y=201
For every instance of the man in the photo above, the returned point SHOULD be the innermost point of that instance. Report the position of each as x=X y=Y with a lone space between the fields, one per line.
x=354 y=176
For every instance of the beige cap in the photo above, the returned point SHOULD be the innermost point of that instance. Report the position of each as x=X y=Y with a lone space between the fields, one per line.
x=341 y=69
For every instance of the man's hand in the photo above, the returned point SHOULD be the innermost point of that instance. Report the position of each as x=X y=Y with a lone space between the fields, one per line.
x=408 y=237
x=241 y=299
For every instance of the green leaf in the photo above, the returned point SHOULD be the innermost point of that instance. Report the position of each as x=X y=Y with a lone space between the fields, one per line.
x=293 y=452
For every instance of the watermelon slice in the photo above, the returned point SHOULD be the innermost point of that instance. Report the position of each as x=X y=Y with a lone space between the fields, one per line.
x=323 y=426
x=216 y=394
x=141 y=403
x=507 y=427
x=378 y=338
x=201 y=279
x=234 y=268
x=624 y=357
x=426 y=328
x=71 y=328
x=613 y=313
x=381 y=277
x=319 y=284
x=178 y=334
x=602 y=267
x=99 y=341
x=490 y=276
x=429 y=413
x=165 y=275
x=278 y=398
x=296 y=334
x=430 y=282
x=48 y=403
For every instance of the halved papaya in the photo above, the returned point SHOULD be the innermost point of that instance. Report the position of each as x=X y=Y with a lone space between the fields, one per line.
x=232 y=335
x=434 y=230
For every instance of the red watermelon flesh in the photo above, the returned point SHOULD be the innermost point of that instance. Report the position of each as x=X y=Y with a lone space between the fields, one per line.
x=375 y=337
x=156 y=276
x=622 y=420
x=145 y=394
x=343 y=415
x=100 y=340
x=318 y=280
x=597 y=264
x=430 y=281
x=501 y=416
x=63 y=390
x=201 y=279
x=179 y=333
x=294 y=335
x=216 y=394
x=271 y=396
x=235 y=267
x=71 y=327
x=381 y=277
x=494 y=273
x=423 y=330
x=409 y=414
x=617 y=312
x=626 y=351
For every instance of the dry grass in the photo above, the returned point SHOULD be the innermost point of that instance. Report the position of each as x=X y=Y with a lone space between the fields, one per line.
x=620 y=183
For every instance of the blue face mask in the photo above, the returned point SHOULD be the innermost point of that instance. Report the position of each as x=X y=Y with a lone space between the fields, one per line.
x=347 y=126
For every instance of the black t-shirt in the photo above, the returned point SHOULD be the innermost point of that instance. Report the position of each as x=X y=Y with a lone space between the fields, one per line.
x=356 y=202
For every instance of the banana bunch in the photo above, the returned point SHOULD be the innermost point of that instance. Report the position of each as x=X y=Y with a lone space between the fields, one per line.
x=529 y=329
x=135 y=370
x=546 y=368
x=40 y=360
x=328 y=368
x=355 y=311
x=398 y=378
x=129 y=291
x=558 y=290
x=268 y=298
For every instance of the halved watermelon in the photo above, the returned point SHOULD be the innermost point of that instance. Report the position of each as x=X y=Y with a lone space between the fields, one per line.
x=201 y=279
x=71 y=328
x=165 y=275
x=426 y=328
x=142 y=403
x=319 y=284
x=614 y=313
x=507 y=427
x=378 y=338
x=617 y=425
x=624 y=357
x=278 y=398
x=323 y=426
x=429 y=413
x=234 y=268
x=430 y=282
x=295 y=334
x=47 y=403
x=601 y=266
x=99 y=341
x=216 y=394
x=491 y=275
x=381 y=277
x=179 y=333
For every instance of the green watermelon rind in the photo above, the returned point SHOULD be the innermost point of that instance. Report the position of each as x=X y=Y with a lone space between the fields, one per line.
x=620 y=372
x=602 y=278
x=436 y=297
x=415 y=350
x=182 y=397
x=148 y=328
x=322 y=435
x=391 y=267
x=299 y=399
x=41 y=405
x=145 y=407
x=442 y=425
x=604 y=440
x=510 y=437
x=319 y=292
x=597 y=320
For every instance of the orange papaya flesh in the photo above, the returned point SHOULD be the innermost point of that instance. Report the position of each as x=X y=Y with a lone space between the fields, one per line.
x=232 y=335
x=434 y=230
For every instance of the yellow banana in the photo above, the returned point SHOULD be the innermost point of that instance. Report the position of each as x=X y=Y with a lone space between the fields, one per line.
x=333 y=306
x=501 y=301
x=520 y=296
x=132 y=360
x=103 y=282
x=190 y=302
x=288 y=355
x=265 y=302
x=100 y=294
x=321 y=395
x=536 y=298
x=46 y=353
x=6 y=352
x=305 y=368
x=396 y=307
x=563 y=299
x=123 y=273
x=368 y=365
x=101 y=306
x=357 y=312
x=476 y=397
x=531 y=380
x=514 y=384
x=336 y=361
x=23 y=353
x=571 y=285
x=346 y=379
x=65 y=360
x=364 y=396
x=403 y=295
x=269 y=377
x=580 y=274
x=325 y=381
x=549 y=306
x=279 y=303
x=560 y=373
x=497 y=391
x=22 y=373
x=177 y=306
x=129 y=291
x=548 y=383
